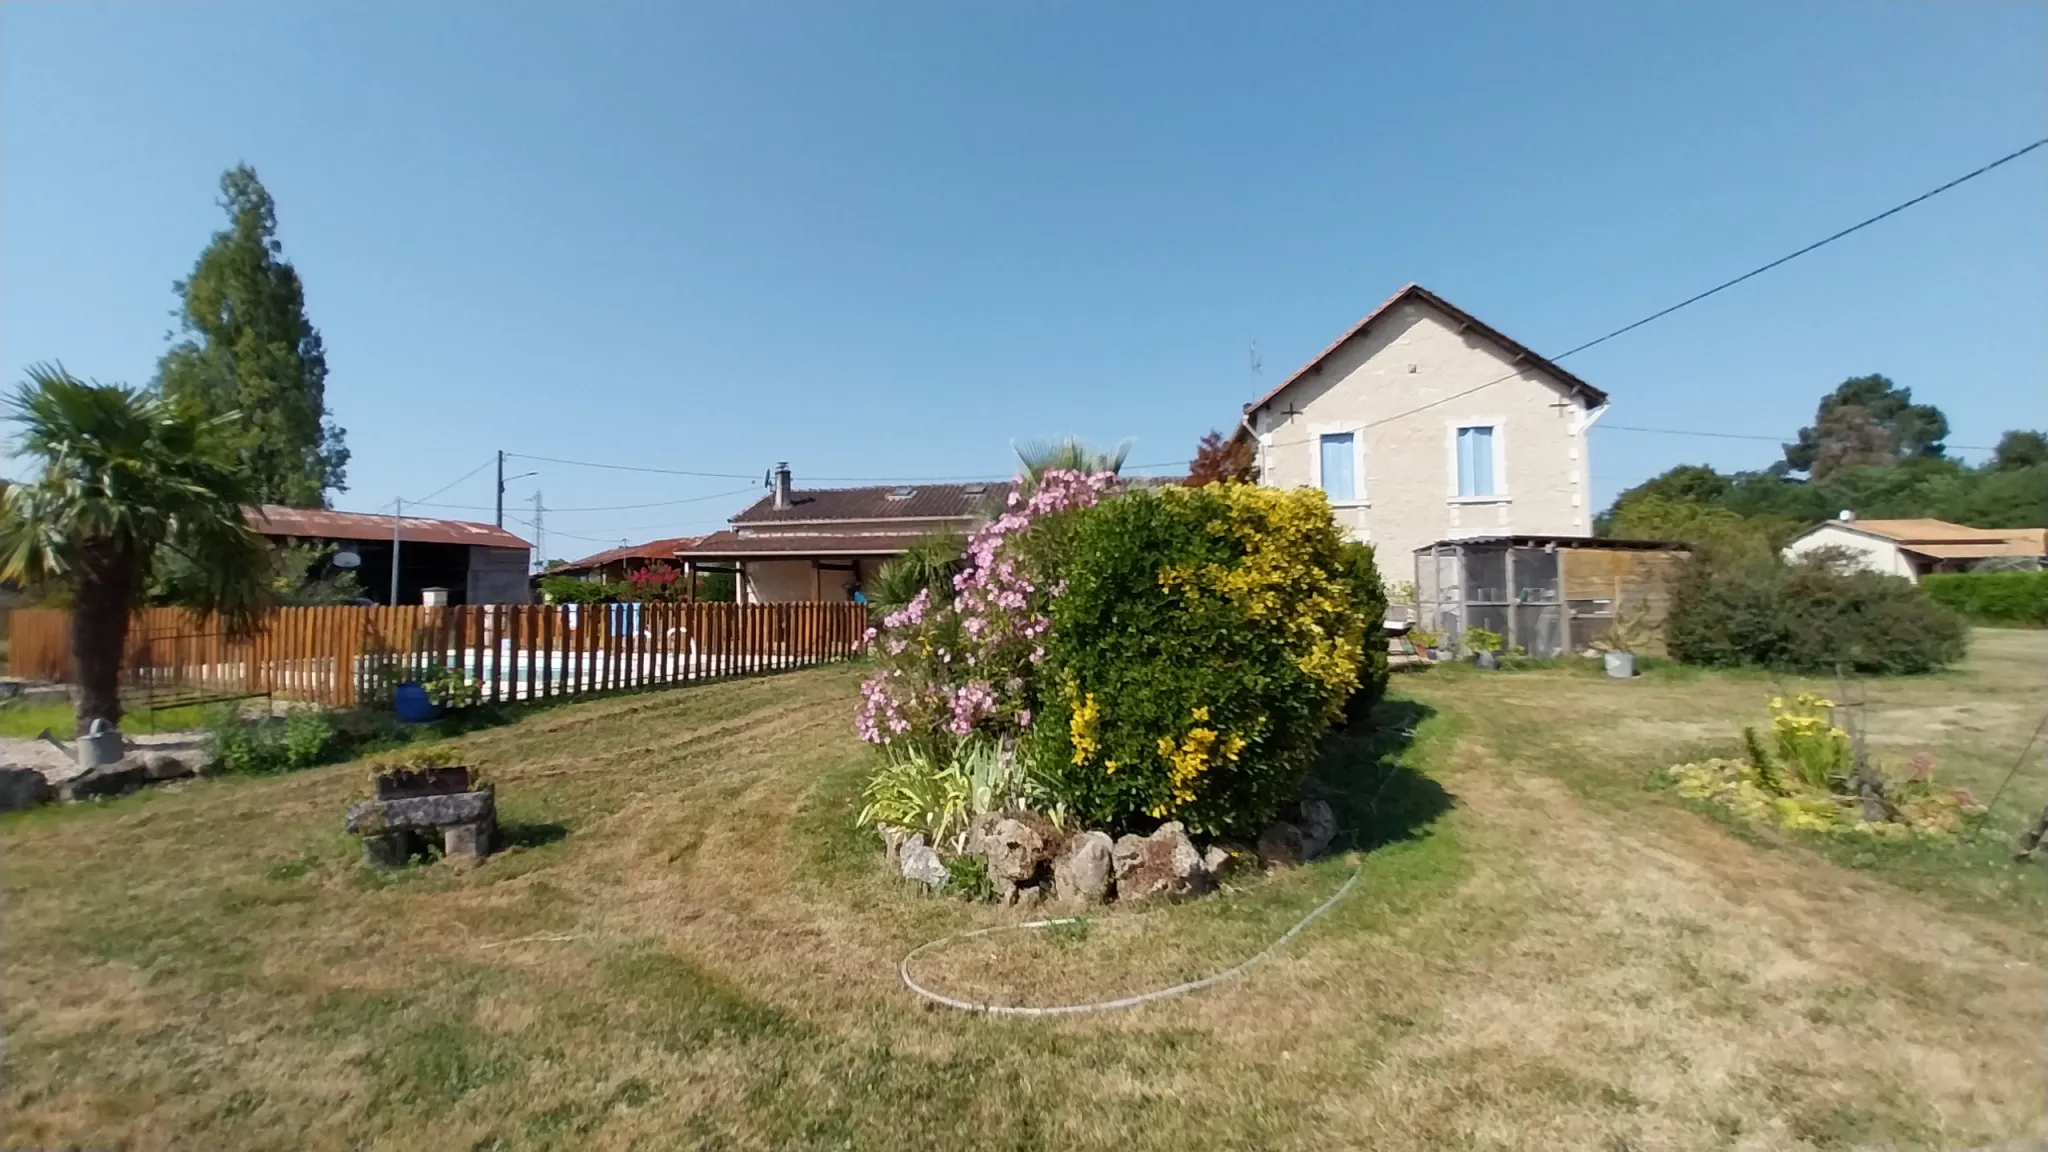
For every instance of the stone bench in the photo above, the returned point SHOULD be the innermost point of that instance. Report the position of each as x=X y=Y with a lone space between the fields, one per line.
x=411 y=806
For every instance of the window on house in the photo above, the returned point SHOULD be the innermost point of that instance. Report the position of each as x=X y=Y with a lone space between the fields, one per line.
x=1340 y=477
x=1475 y=461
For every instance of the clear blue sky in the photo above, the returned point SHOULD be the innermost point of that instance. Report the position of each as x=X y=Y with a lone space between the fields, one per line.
x=886 y=239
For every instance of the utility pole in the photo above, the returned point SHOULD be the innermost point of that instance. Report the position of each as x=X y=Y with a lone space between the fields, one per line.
x=397 y=519
x=540 y=536
x=501 y=488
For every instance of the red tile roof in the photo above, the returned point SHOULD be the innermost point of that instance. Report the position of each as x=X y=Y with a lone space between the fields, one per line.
x=652 y=550
x=1519 y=350
x=322 y=524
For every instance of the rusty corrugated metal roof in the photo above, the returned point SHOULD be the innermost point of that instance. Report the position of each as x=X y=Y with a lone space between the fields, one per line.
x=325 y=524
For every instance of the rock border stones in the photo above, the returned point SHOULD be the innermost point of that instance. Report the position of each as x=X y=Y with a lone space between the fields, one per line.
x=23 y=788
x=1028 y=860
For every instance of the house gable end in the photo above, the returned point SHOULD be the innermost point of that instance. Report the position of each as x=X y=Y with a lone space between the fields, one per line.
x=1406 y=306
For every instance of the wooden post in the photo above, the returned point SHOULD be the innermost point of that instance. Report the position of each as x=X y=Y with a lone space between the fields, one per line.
x=1514 y=601
x=479 y=632
x=549 y=614
x=817 y=582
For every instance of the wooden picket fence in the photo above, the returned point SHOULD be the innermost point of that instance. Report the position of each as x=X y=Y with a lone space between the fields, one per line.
x=343 y=656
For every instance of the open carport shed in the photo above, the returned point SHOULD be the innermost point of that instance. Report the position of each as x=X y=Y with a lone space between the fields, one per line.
x=1547 y=595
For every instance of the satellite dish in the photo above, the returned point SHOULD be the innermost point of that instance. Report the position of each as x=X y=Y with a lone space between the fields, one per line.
x=347 y=560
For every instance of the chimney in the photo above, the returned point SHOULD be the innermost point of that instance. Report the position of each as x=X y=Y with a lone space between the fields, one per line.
x=780 y=483
x=1846 y=516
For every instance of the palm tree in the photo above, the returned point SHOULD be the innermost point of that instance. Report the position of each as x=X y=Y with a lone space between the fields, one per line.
x=125 y=481
x=928 y=565
x=1068 y=454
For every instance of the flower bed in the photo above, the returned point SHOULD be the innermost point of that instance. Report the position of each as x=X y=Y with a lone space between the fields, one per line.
x=1804 y=777
x=1122 y=660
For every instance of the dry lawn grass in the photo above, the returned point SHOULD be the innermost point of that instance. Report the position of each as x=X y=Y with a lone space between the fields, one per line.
x=690 y=947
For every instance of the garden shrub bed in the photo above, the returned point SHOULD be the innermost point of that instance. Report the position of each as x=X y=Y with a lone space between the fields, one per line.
x=1818 y=613
x=2007 y=598
x=1128 y=664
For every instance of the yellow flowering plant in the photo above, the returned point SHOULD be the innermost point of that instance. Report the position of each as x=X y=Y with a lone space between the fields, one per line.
x=1202 y=642
x=1803 y=779
x=1810 y=741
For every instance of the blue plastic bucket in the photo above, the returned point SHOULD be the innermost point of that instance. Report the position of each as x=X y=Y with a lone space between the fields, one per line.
x=411 y=704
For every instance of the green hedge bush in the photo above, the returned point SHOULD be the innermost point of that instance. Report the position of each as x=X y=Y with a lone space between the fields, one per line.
x=1992 y=597
x=1369 y=600
x=1809 y=616
x=1204 y=642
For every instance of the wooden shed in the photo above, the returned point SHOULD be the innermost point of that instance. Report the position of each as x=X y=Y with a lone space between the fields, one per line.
x=1548 y=595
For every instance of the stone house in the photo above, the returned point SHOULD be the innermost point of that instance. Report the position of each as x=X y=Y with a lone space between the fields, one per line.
x=1423 y=423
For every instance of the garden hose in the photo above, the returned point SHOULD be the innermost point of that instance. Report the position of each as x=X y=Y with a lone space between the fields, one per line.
x=1238 y=969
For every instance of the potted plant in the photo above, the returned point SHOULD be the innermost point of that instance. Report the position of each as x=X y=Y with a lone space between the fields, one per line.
x=1619 y=642
x=1485 y=647
x=428 y=696
x=1424 y=642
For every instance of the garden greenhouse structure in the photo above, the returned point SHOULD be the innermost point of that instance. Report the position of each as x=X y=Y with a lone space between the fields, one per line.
x=1545 y=595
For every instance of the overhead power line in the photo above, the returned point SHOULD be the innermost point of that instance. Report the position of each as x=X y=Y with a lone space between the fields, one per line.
x=984 y=477
x=1603 y=427
x=1724 y=285
x=454 y=482
x=1631 y=326
x=630 y=467
x=1860 y=225
x=601 y=507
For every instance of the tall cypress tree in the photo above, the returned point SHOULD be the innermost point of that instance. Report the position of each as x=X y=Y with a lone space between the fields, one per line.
x=248 y=347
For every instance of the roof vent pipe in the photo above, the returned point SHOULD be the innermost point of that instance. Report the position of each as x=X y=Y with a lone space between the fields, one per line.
x=781 y=485
x=1846 y=516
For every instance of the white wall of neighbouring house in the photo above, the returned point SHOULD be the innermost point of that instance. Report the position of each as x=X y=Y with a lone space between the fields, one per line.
x=1406 y=463
x=789 y=581
x=1871 y=551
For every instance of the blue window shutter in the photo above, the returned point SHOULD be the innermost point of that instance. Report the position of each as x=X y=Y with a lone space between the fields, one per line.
x=1475 y=461
x=1340 y=480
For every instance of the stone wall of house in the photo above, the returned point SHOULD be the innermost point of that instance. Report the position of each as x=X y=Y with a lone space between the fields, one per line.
x=1409 y=495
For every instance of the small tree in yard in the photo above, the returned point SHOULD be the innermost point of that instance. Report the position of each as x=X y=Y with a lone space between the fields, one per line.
x=126 y=482
x=1221 y=460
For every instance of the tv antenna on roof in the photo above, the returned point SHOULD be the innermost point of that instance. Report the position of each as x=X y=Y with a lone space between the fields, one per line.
x=1252 y=356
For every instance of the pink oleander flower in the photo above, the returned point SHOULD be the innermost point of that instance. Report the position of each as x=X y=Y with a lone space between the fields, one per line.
x=995 y=626
x=971 y=702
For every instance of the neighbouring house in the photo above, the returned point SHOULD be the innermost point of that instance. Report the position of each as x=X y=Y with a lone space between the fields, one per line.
x=615 y=564
x=473 y=563
x=1548 y=595
x=825 y=544
x=1914 y=548
x=1422 y=423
